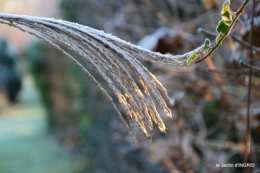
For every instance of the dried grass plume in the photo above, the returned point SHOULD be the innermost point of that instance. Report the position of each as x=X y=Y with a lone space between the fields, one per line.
x=109 y=56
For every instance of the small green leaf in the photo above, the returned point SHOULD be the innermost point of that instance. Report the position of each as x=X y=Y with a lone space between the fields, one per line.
x=218 y=38
x=222 y=27
x=194 y=56
x=188 y=61
x=225 y=6
x=206 y=45
x=198 y=57
x=227 y=17
x=225 y=12
x=191 y=57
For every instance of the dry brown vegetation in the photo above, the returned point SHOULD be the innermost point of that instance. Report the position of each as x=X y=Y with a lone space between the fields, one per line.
x=210 y=99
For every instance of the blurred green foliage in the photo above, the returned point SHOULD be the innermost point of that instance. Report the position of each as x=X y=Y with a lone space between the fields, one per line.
x=35 y=55
x=68 y=10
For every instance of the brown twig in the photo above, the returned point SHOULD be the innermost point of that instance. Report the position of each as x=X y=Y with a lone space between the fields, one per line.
x=238 y=14
x=257 y=49
x=249 y=65
x=212 y=34
x=215 y=76
x=247 y=142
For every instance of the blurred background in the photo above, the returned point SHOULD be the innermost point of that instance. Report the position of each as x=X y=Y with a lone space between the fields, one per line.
x=53 y=119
